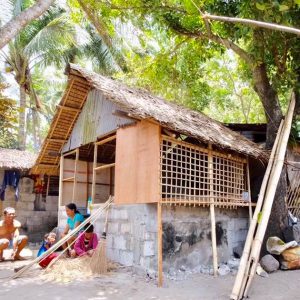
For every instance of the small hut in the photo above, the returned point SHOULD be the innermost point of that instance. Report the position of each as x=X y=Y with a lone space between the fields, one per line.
x=181 y=181
x=35 y=205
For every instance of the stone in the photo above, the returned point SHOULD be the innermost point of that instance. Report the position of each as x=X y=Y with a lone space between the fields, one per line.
x=269 y=263
x=223 y=270
x=233 y=263
x=238 y=251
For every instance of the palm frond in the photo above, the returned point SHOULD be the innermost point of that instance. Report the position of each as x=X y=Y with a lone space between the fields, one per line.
x=52 y=40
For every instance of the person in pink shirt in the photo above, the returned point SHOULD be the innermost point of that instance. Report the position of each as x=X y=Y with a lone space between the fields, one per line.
x=86 y=242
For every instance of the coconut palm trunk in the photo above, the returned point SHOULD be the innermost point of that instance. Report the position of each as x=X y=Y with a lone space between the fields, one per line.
x=22 y=112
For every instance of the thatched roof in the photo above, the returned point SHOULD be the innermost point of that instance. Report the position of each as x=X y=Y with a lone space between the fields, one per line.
x=141 y=104
x=138 y=104
x=16 y=159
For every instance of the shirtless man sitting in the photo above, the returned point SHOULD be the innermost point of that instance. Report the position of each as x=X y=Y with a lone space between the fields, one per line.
x=10 y=235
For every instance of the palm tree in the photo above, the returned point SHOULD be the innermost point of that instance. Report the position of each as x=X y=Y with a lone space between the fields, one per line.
x=43 y=42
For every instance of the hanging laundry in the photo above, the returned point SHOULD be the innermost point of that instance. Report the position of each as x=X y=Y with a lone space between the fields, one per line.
x=11 y=178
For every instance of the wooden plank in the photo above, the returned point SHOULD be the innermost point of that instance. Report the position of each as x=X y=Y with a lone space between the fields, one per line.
x=68 y=108
x=126 y=166
x=137 y=164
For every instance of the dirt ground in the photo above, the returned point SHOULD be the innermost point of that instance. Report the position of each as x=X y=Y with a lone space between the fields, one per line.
x=123 y=284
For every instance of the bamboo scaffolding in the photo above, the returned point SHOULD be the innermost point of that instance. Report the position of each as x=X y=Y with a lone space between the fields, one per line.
x=246 y=252
x=64 y=239
x=185 y=176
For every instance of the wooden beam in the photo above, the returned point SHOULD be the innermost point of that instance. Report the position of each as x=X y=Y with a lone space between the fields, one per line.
x=69 y=179
x=105 y=167
x=46 y=166
x=64 y=107
x=69 y=153
x=56 y=140
x=111 y=138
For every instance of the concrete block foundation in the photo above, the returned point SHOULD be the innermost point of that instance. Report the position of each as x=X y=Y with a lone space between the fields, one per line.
x=132 y=235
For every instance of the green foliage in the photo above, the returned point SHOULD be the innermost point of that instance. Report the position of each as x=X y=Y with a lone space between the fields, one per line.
x=8 y=120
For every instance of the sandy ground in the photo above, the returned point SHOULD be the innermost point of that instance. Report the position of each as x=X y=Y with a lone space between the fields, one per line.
x=123 y=284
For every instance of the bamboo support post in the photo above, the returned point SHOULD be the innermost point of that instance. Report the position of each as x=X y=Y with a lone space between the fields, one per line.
x=94 y=173
x=159 y=244
x=61 y=174
x=75 y=174
x=249 y=191
x=245 y=256
x=212 y=211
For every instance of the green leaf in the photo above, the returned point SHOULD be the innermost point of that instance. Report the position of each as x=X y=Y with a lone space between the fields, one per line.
x=260 y=6
x=283 y=7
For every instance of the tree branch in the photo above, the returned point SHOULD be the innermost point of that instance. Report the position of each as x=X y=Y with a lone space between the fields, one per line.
x=12 y=28
x=253 y=23
x=227 y=43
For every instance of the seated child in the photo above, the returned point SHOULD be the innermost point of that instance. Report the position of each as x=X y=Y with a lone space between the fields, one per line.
x=86 y=242
x=49 y=240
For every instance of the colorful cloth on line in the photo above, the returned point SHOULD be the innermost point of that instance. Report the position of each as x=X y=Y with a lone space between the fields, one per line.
x=10 y=178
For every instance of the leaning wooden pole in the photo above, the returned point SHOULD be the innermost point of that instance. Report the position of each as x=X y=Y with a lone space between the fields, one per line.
x=246 y=252
x=270 y=193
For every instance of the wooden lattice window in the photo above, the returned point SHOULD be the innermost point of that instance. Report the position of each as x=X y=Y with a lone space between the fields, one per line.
x=196 y=175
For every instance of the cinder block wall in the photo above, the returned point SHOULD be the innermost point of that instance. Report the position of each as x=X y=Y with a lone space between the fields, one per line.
x=132 y=235
x=34 y=223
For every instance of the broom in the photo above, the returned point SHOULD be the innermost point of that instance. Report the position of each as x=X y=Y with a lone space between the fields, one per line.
x=98 y=262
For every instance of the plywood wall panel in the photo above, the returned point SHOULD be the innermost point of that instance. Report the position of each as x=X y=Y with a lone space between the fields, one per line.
x=137 y=164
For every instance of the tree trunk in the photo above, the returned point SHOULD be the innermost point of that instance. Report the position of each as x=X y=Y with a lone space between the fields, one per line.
x=12 y=28
x=269 y=99
x=22 y=113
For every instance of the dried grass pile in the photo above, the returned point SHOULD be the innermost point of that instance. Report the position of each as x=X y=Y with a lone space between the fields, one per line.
x=68 y=269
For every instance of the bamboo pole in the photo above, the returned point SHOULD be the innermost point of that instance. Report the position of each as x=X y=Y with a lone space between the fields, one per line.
x=159 y=244
x=61 y=175
x=249 y=191
x=253 y=23
x=267 y=207
x=94 y=173
x=64 y=239
x=245 y=256
x=212 y=211
x=105 y=167
x=75 y=175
